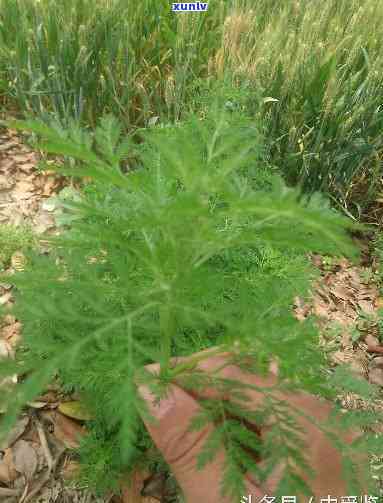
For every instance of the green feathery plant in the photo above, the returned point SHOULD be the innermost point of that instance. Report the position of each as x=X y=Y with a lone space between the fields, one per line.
x=13 y=239
x=167 y=260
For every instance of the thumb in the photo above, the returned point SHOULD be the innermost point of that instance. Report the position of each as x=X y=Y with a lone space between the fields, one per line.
x=180 y=447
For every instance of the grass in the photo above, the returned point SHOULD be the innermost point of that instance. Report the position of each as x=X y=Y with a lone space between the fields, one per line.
x=82 y=58
x=314 y=75
x=320 y=77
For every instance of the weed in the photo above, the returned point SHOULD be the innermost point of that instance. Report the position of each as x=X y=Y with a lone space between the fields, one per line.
x=355 y=334
x=367 y=275
x=14 y=239
x=193 y=256
x=328 y=262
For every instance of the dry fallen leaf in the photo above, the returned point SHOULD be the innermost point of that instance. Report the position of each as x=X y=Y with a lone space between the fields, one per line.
x=37 y=404
x=70 y=470
x=67 y=431
x=340 y=357
x=42 y=222
x=354 y=276
x=27 y=166
x=159 y=486
x=132 y=493
x=341 y=292
x=25 y=459
x=49 y=186
x=50 y=397
x=376 y=376
x=8 y=319
x=301 y=309
x=6 y=350
x=373 y=344
x=23 y=186
x=8 y=145
x=376 y=362
x=15 y=433
x=18 y=261
x=8 y=473
x=22 y=156
x=320 y=308
x=366 y=306
x=6 y=183
x=4 y=299
x=11 y=333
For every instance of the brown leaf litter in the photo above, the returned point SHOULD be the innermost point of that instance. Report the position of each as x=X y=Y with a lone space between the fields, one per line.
x=345 y=301
x=23 y=188
x=33 y=454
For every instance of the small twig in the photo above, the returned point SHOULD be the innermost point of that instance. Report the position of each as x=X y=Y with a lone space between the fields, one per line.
x=44 y=443
x=25 y=492
x=45 y=478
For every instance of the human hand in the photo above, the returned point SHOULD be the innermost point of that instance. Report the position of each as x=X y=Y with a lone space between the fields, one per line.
x=180 y=446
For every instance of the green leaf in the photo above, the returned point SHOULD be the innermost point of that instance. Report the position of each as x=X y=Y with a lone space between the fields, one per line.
x=76 y=410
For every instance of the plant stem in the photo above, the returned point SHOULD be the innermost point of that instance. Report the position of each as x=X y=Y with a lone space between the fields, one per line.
x=193 y=361
x=167 y=329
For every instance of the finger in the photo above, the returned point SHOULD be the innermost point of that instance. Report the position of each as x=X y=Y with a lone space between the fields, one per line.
x=218 y=368
x=203 y=356
x=318 y=445
x=181 y=447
